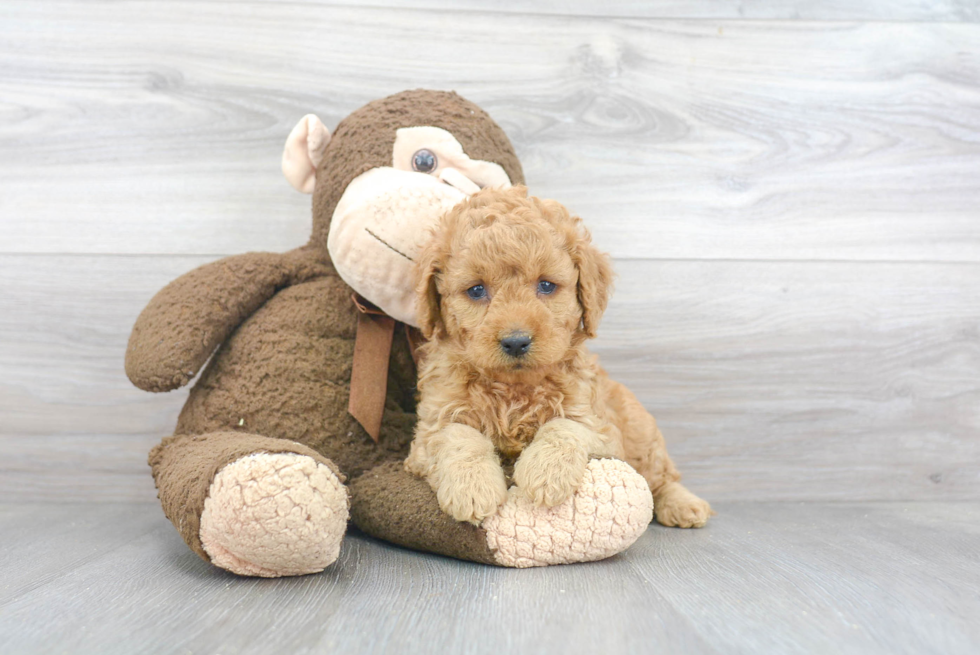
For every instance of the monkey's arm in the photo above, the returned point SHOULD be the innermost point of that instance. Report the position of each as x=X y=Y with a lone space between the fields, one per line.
x=187 y=319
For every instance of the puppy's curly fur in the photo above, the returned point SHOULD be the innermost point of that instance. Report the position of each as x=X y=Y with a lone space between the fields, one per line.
x=509 y=290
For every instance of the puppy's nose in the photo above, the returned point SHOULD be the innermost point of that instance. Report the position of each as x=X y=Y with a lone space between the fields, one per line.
x=516 y=345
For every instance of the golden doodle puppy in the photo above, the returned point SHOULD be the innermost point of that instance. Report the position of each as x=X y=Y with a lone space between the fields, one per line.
x=509 y=290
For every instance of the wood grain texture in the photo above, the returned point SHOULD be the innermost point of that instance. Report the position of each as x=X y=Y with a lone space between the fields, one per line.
x=806 y=380
x=842 y=578
x=771 y=380
x=675 y=138
x=890 y=578
x=42 y=543
x=814 y=10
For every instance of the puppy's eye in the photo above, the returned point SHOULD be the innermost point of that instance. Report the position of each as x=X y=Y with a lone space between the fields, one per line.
x=424 y=161
x=477 y=292
x=546 y=287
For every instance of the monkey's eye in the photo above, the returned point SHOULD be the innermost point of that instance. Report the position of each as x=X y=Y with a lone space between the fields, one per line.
x=477 y=292
x=546 y=287
x=424 y=161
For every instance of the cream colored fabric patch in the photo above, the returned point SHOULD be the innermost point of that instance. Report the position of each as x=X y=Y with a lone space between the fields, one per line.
x=303 y=152
x=610 y=510
x=381 y=223
x=449 y=157
x=387 y=213
x=273 y=515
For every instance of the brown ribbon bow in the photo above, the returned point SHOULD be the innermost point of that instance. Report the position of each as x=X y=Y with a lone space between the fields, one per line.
x=369 y=372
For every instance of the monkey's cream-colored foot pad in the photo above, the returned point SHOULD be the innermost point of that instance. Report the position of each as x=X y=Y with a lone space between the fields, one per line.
x=610 y=510
x=273 y=515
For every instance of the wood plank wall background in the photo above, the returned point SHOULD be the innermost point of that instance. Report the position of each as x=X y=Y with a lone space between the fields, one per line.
x=791 y=191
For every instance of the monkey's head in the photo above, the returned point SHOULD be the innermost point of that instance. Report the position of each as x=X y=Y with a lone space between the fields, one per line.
x=381 y=182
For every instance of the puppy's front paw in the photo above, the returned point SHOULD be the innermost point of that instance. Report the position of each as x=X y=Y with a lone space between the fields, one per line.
x=472 y=492
x=549 y=471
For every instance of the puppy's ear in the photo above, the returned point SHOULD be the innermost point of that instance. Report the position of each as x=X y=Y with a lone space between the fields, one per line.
x=428 y=302
x=595 y=276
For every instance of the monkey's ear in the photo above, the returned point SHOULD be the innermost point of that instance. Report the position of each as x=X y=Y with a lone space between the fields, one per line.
x=304 y=152
x=428 y=302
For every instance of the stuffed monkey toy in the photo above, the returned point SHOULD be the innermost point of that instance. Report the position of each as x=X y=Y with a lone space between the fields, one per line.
x=303 y=416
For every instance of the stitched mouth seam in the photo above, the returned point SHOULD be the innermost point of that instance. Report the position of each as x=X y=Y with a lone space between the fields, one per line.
x=389 y=245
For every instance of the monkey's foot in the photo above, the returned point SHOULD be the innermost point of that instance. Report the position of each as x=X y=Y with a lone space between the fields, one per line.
x=273 y=515
x=609 y=511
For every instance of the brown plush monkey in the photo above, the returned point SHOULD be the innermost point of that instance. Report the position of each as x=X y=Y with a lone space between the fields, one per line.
x=254 y=475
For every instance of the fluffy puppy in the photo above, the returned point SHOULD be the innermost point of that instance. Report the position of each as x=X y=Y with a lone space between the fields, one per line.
x=509 y=290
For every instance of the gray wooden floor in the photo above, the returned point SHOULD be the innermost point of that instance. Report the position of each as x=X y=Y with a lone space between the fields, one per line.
x=789 y=189
x=861 y=578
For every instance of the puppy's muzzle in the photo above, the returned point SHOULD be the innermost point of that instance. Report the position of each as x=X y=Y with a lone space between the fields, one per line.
x=516 y=344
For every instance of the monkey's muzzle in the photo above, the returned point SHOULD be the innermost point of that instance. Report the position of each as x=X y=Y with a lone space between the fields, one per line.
x=380 y=225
